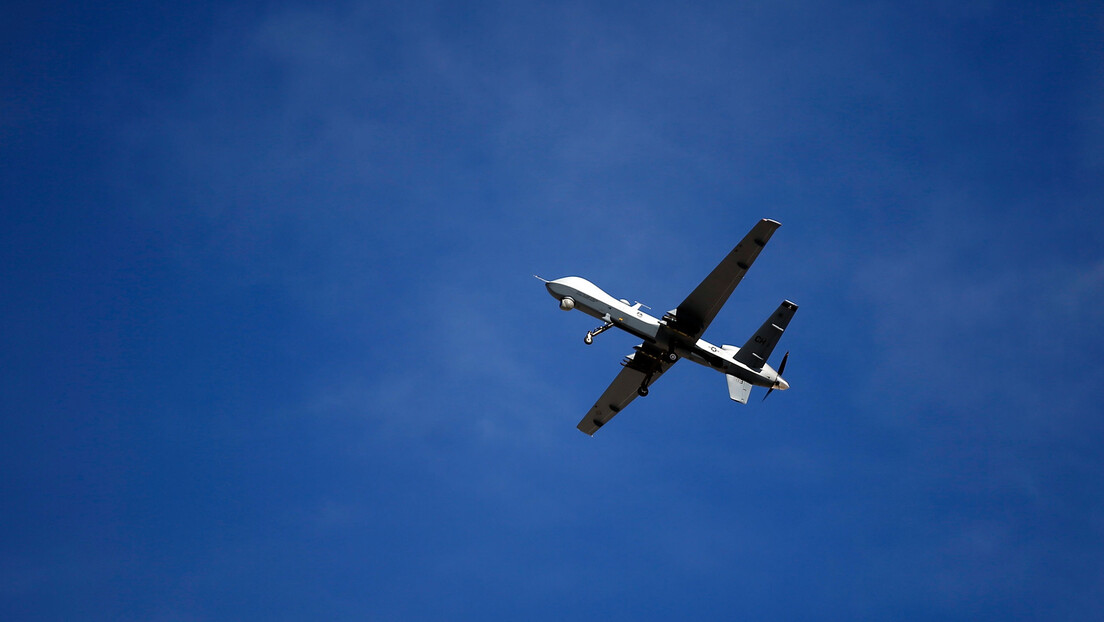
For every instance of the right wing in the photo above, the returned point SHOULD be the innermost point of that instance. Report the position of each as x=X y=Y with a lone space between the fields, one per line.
x=647 y=363
x=701 y=306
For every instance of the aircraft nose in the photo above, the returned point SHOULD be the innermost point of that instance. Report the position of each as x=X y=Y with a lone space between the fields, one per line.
x=558 y=289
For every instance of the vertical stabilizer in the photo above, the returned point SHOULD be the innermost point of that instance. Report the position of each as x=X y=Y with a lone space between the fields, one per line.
x=758 y=349
x=738 y=390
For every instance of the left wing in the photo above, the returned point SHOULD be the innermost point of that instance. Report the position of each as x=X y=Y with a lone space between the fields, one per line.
x=644 y=365
x=701 y=306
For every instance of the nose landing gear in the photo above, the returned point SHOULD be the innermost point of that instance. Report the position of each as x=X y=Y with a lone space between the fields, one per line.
x=589 y=339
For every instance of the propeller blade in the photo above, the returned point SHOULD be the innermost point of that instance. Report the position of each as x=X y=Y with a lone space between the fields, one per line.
x=781 y=368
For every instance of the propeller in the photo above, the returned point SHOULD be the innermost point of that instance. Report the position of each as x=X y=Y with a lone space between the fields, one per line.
x=781 y=368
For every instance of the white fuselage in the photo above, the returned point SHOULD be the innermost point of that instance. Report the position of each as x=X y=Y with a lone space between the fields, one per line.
x=578 y=293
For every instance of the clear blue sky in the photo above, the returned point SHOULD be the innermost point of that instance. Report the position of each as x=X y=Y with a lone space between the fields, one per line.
x=270 y=348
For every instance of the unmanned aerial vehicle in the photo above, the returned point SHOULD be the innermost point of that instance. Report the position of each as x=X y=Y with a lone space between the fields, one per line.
x=677 y=335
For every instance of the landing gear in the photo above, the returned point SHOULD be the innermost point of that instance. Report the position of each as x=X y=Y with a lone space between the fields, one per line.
x=589 y=339
x=642 y=391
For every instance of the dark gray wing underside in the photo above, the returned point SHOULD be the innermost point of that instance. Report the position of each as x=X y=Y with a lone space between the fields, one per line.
x=698 y=310
x=646 y=364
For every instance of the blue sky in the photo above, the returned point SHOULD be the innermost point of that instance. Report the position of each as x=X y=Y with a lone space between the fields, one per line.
x=271 y=347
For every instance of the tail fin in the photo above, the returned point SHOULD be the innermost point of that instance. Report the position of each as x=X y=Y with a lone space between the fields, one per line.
x=758 y=349
x=738 y=390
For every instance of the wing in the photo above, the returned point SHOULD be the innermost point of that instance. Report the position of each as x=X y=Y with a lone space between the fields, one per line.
x=698 y=310
x=641 y=369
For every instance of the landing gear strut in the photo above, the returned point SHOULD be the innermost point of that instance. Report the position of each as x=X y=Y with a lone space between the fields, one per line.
x=589 y=339
x=643 y=390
